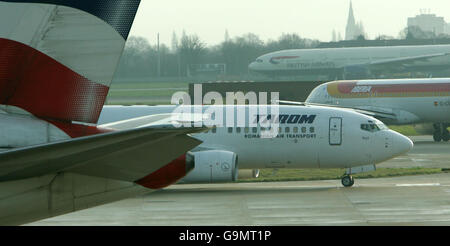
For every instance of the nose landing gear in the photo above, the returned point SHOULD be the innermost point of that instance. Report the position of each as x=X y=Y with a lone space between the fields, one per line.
x=440 y=132
x=347 y=181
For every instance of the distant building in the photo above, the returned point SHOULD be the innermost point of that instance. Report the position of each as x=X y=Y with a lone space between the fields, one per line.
x=430 y=23
x=339 y=37
x=353 y=29
x=334 y=36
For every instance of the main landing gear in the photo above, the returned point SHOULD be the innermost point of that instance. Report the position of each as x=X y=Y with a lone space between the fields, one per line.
x=347 y=181
x=440 y=132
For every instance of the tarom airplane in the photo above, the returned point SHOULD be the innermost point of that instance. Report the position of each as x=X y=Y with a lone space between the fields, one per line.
x=360 y=62
x=307 y=137
x=57 y=61
x=404 y=101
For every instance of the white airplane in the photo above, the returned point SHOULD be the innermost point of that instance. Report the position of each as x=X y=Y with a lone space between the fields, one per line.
x=308 y=137
x=403 y=101
x=57 y=61
x=356 y=62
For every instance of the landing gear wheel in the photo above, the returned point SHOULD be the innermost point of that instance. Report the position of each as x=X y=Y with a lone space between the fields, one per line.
x=446 y=136
x=437 y=136
x=348 y=181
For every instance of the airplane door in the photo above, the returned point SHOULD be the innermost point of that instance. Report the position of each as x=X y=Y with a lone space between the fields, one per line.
x=332 y=153
x=335 y=131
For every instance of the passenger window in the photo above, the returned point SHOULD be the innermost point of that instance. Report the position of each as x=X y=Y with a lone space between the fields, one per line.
x=311 y=130
x=303 y=129
x=295 y=129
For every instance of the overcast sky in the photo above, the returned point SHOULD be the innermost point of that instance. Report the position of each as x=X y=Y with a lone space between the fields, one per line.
x=314 y=19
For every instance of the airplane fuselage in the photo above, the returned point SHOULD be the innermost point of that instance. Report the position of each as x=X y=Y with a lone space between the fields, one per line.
x=411 y=101
x=337 y=60
x=306 y=137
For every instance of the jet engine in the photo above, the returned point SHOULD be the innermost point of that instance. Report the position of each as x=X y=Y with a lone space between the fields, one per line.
x=405 y=117
x=213 y=167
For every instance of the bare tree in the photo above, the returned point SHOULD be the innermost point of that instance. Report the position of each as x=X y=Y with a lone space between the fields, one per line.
x=191 y=50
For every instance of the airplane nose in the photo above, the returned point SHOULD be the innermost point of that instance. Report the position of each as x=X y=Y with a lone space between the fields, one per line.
x=252 y=66
x=402 y=144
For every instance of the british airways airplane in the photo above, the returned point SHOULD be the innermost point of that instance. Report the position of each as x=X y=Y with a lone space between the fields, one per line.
x=295 y=137
x=357 y=62
x=393 y=101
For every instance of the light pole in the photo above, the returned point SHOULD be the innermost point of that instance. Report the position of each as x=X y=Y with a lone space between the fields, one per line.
x=159 y=60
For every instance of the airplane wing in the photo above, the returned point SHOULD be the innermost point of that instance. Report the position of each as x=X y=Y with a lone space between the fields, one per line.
x=377 y=113
x=126 y=155
x=402 y=61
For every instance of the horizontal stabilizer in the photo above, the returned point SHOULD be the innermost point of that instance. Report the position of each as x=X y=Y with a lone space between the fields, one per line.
x=127 y=155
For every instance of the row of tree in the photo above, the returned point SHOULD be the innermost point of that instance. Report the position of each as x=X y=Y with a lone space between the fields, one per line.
x=140 y=58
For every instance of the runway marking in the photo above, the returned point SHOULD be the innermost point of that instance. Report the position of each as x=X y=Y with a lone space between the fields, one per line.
x=412 y=185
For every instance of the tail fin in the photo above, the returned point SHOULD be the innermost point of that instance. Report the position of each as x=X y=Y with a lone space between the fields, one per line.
x=58 y=57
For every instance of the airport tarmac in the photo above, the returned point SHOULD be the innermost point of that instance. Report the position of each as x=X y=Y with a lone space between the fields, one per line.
x=411 y=200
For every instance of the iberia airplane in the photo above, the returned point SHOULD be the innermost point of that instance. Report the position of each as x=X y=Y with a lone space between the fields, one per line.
x=394 y=101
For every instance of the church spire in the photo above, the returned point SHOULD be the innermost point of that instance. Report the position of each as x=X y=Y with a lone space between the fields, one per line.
x=351 y=16
x=352 y=30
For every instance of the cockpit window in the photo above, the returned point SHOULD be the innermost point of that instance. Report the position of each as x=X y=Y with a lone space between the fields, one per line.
x=259 y=60
x=381 y=126
x=373 y=126
x=370 y=127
